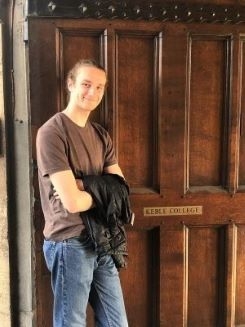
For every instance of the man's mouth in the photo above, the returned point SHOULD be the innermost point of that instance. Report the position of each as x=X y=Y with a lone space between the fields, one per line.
x=87 y=99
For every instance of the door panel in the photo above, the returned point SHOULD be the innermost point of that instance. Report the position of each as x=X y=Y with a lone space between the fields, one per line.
x=141 y=284
x=241 y=93
x=240 y=282
x=207 y=110
x=172 y=277
x=174 y=108
x=73 y=44
x=137 y=106
x=205 y=275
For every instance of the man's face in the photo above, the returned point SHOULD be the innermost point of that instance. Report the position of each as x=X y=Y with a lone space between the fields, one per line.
x=88 y=89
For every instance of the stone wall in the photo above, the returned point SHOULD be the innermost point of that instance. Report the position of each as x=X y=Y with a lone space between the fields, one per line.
x=5 y=310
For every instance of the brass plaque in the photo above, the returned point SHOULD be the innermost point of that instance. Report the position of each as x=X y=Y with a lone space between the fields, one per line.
x=173 y=211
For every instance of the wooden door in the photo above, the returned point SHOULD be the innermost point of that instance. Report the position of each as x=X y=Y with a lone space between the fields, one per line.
x=175 y=110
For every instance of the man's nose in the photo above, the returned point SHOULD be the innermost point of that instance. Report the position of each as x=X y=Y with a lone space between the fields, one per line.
x=92 y=90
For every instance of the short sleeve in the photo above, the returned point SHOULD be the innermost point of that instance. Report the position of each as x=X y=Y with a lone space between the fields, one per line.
x=110 y=157
x=51 y=151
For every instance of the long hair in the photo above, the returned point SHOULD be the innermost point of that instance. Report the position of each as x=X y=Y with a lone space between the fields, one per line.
x=72 y=74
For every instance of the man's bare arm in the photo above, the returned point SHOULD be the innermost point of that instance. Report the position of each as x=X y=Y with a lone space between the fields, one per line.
x=73 y=199
x=70 y=191
x=114 y=169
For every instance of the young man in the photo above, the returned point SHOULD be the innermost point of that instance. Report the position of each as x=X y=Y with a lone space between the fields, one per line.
x=68 y=144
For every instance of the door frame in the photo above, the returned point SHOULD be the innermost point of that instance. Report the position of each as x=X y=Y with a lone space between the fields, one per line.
x=22 y=210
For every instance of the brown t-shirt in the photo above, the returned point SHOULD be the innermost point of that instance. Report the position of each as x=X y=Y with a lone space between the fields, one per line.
x=63 y=145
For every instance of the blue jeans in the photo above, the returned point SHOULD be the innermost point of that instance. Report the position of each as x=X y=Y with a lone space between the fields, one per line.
x=79 y=275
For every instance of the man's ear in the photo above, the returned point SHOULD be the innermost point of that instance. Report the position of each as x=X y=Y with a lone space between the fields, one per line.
x=69 y=84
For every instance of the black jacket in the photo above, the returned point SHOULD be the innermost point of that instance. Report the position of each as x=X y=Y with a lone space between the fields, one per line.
x=105 y=222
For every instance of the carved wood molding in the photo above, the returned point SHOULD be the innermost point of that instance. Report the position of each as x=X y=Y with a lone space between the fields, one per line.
x=159 y=11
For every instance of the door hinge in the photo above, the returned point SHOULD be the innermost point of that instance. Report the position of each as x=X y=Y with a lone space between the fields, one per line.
x=25 y=31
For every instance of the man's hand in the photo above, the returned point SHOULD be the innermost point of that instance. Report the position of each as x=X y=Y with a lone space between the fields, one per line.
x=56 y=195
x=80 y=185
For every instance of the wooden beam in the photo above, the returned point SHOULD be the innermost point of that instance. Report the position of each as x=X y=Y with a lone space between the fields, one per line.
x=159 y=11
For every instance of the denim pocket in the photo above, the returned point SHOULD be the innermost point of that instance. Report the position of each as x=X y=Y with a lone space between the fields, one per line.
x=49 y=252
x=79 y=241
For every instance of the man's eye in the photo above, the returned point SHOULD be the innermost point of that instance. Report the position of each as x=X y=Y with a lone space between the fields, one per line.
x=86 y=85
